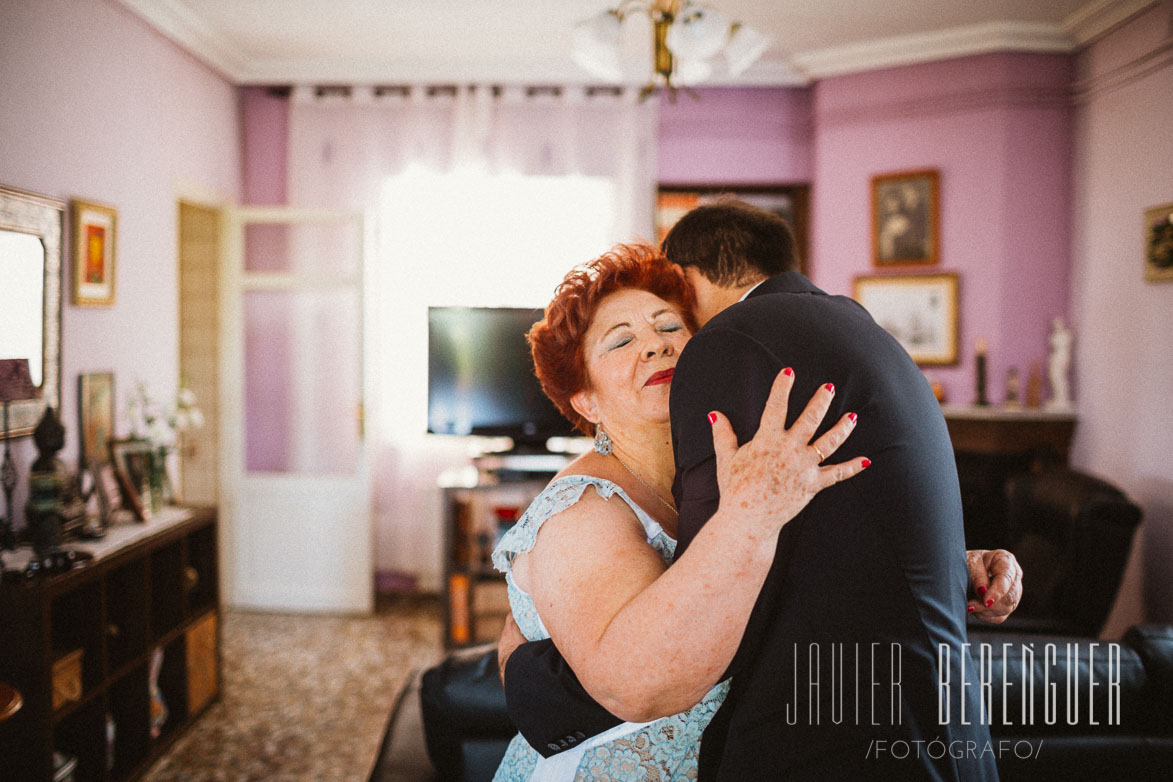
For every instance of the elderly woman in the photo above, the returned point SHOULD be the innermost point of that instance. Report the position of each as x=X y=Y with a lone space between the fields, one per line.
x=587 y=564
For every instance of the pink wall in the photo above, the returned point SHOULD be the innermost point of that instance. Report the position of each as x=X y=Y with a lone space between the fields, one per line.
x=736 y=136
x=997 y=128
x=1124 y=340
x=99 y=106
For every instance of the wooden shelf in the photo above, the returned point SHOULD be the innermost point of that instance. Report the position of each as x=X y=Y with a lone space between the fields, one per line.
x=151 y=586
x=474 y=519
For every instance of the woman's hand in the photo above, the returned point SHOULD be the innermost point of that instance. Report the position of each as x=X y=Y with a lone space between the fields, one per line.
x=773 y=476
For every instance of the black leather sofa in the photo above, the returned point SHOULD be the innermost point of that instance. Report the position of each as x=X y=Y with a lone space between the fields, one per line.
x=467 y=729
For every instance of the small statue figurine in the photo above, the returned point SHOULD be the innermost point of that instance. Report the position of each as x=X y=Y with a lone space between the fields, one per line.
x=43 y=510
x=1058 y=363
x=1012 y=394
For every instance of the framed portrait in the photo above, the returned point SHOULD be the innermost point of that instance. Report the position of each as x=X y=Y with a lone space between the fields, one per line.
x=131 y=460
x=95 y=415
x=920 y=311
x=790 y=202
x=905 y=218
x=95 y=229
x=1158 y=243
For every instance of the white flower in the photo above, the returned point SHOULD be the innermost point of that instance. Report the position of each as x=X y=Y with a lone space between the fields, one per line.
x=158 y=424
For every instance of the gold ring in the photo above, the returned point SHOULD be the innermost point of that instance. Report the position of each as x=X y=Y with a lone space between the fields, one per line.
x=820 y=453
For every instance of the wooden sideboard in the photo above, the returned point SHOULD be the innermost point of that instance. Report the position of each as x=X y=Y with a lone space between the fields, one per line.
x=80 y=646
x=992 y=444
x=1005 y=431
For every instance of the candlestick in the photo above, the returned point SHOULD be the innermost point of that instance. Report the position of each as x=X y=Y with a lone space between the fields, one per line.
x=981 y=373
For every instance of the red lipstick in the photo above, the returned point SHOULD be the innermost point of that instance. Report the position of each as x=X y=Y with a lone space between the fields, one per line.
x=663 y=376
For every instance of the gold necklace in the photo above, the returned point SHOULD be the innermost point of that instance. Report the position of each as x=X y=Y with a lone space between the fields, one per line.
x=665 y=502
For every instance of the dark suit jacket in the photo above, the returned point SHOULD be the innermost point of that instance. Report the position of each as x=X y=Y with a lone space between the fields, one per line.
x=837 y=675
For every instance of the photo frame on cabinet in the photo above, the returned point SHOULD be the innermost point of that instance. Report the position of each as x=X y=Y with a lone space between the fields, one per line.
x=1158 y=243
x=95 y=416
x=920 y=311
x=95 y=229
x=131 y=460
x=905 y=218
x=790 y=202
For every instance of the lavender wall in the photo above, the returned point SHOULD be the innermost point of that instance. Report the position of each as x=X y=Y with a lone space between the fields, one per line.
x=736 y=136
x=98 y=106
x=1124 y=340
x=997 y=128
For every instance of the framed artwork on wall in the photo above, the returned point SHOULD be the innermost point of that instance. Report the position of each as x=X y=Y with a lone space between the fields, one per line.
x=1158 y=243
x=95 y=415
x=905 y=218
x=790 y=202
x=95 y=228
x=920 y=311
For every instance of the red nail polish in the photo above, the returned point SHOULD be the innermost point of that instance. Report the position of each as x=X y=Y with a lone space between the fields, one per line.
x=867 y=463
x=989 y=603
x=971 y=609
x=830 y=387
x=788 y=371
x=712 y=418
x=852 y=416
x=981 y=590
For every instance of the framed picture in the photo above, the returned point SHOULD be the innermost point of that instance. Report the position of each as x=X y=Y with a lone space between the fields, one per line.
x=1158 y=242
x=790 y=202
x=132 y=466
x=920 y=311
x=95 y=230
x=905 y=218
x=95 y=406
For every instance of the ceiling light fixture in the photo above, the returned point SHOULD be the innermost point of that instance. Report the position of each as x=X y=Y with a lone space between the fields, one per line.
x=687 y=39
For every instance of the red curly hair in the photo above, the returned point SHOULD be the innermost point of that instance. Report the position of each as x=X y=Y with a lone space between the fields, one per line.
x=556 y=341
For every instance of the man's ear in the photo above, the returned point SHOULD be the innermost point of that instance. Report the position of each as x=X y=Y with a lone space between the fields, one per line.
x=584 y=404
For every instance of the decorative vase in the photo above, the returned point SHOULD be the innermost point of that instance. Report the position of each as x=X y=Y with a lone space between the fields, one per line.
x=158 y=477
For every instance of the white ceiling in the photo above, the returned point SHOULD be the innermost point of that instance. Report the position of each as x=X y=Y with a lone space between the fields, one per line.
x=528 y=41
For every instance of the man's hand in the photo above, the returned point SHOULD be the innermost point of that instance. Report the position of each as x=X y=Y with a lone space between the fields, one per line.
x=997 y=580
x=511 y=638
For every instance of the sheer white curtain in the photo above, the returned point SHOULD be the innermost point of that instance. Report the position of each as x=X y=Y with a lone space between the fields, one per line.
x=482 y=196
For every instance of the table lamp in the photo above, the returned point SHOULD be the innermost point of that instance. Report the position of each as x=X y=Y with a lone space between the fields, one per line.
x=15 y=384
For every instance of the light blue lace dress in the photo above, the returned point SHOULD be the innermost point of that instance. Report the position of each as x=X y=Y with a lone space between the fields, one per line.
x=663 y=750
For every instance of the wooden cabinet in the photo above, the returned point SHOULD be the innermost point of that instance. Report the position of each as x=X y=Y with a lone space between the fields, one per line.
x=114 y=659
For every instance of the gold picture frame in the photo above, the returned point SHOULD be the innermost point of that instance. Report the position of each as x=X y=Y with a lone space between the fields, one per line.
x=95 y=243
x=906 y=218
x=920 y=311
x=1158 y=243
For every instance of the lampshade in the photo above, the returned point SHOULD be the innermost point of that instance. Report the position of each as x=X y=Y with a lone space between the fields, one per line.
x=15 y=381
x=681 y=39
x=698 y=32
x=689 y=73
x=596 y=45
x=744 y=47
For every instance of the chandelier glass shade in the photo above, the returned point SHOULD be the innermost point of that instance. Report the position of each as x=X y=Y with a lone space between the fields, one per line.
x=689 y=43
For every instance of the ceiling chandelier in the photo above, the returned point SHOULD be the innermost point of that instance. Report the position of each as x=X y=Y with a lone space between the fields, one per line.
x=688 y=40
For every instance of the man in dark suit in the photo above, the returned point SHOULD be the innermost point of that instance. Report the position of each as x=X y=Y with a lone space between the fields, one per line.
x=839 y=673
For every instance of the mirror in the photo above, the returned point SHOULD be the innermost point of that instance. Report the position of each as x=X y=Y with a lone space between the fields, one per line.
x=30 y=297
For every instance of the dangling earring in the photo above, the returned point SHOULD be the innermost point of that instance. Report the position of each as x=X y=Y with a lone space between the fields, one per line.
x=602 y=441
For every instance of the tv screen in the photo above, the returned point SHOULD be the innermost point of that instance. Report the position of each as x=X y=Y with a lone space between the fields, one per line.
x=481 y=376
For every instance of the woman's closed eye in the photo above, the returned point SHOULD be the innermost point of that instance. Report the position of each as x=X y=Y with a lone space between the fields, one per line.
x=618 y=342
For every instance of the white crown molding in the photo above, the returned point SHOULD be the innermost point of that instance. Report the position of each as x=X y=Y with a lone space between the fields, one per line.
x=557 y=70
x=174 y=20
x=1100 y=16
x=941 y=45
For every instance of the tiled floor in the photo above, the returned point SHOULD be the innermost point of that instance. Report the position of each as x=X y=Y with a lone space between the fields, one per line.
x=305 y=697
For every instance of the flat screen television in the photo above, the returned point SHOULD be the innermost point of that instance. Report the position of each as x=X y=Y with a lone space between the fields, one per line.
x=481 y=377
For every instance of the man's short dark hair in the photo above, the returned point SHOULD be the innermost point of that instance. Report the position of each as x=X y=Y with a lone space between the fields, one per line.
x=732 y=243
